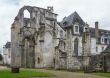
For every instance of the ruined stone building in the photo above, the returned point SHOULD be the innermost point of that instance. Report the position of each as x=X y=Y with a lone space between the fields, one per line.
x=40 y=41
x=7 y=54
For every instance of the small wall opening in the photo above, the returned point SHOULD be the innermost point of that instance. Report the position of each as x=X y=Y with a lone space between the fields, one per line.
x=38 y=60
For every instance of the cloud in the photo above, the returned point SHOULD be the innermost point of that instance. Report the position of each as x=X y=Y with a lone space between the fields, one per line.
x=89 y=10
x=11 y=2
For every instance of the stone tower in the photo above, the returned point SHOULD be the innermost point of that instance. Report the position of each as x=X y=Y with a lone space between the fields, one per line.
x=86 y=41
x=73 y=26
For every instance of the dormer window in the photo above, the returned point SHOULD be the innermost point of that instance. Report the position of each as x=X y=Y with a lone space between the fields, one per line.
x=76 y=28
x=105 y=41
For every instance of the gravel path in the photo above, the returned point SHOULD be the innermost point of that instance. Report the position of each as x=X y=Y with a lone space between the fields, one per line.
x=67 y=74
x=2 y=67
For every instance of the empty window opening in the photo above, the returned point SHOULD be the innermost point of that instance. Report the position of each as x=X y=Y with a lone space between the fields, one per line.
x=26 y=14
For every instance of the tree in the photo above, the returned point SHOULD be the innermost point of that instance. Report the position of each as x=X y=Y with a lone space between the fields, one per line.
x=1 y=57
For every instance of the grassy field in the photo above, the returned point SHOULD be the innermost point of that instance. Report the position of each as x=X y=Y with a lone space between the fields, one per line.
x=103 y=74
x=24 y=73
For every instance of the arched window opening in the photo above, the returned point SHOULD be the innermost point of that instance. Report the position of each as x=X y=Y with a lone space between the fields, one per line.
x=26 y=14
x=76 y=47
x=26 y=18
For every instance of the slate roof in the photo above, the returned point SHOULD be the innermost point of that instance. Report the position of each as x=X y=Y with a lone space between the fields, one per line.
x=104 y=32
x=92 y=32
x=8 y=45
x=101 y=32
x=71 y=19
x=74 y=17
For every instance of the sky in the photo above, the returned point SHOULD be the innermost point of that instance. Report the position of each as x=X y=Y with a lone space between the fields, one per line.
x=89 y=10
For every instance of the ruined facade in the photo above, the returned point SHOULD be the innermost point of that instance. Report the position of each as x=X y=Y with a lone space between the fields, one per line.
x=39 y=41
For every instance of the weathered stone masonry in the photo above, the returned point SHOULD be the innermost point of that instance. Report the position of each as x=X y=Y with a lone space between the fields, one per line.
x=39 y=41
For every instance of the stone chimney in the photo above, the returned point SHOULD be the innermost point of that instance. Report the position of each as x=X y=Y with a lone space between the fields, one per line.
x=97 y=29
x=50 y=8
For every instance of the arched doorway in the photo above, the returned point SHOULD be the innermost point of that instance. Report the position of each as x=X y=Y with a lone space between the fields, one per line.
x=28 y=53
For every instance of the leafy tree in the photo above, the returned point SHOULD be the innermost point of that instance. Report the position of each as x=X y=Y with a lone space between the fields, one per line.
x=1 y=57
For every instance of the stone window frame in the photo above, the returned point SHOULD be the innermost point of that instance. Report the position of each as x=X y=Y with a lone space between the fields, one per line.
x=76 y=29
x=76 y=25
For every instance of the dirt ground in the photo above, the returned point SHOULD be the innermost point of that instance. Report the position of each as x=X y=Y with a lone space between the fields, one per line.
x=67 y=74
x=2 y=67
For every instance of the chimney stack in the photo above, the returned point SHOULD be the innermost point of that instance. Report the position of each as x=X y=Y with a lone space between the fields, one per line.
x=97 y=29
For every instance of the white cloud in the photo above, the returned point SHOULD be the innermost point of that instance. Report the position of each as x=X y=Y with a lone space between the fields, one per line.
x=89 y=10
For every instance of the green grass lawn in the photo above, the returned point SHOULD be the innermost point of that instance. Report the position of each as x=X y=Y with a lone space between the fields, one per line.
x=103 y=74
x=24 y=73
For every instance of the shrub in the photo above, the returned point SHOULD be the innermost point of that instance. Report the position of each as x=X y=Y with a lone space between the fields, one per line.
x=1 y=57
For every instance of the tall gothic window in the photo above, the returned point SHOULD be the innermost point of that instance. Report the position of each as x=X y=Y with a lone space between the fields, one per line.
x=76 y=47
x=26 y=18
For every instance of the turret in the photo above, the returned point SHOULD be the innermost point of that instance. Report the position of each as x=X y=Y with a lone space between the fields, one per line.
x=86 y=47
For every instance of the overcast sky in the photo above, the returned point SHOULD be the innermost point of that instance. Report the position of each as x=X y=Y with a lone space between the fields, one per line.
x=89 y=10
